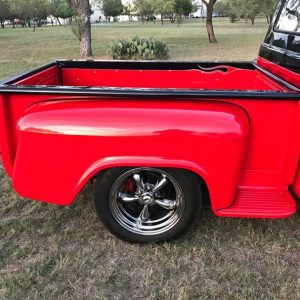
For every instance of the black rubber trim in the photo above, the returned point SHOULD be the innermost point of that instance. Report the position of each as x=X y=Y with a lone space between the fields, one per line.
x=150 y=93
x=149 y=65
x=295 y=196
x=285 y=58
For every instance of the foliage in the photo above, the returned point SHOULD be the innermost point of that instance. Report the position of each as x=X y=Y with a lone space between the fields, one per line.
x=268 y=8
x=139 y=48
x=221 y=8
x=29 y=11
x=128 y=10
x=170 y=9
x=183 y=8
x=61 y=9
x=112 y=8
x=230 y=8
x=4 y=11
x=144 y=8
x=247 y=9
x=165 y=8
x=250 y=9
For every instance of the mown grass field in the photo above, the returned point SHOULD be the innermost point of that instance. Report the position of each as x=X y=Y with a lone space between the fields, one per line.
x=50 y=252
x=21 y=49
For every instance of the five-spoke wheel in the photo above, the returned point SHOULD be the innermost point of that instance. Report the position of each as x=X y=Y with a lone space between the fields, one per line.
x=146 y=204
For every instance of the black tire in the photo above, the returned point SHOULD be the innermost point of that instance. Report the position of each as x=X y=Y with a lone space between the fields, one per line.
x=125 y=220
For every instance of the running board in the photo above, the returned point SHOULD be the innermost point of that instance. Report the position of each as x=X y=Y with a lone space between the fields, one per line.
x=261 y=203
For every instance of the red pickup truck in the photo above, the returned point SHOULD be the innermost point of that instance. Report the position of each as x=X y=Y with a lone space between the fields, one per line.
x=156 y=139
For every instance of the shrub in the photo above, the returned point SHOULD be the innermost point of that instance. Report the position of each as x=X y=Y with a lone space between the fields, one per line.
x=139 y=48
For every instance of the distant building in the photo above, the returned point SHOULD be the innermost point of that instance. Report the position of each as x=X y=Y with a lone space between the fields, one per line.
x=98 y=15
x=201 y=11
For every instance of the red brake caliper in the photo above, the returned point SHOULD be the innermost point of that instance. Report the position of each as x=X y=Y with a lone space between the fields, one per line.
x=130 y=186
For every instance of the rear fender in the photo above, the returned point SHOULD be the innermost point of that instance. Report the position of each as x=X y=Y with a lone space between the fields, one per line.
x=63 y=144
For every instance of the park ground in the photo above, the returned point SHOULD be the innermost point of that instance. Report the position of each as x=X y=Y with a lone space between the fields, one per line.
x=50 y=252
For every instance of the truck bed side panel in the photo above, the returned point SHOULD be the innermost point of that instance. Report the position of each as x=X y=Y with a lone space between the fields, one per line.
x=63 y=144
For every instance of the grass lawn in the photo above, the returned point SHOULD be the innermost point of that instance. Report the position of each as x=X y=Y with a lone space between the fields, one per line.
x=22 y=49
x=50 y=252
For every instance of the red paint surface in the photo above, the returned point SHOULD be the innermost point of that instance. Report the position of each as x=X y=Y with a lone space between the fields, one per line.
x=49 y=76
x=283 y=73
x=52 y=148
x=85 y=137
x=233 y=79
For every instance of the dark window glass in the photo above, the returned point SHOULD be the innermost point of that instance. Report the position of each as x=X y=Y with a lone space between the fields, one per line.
x=289 y=20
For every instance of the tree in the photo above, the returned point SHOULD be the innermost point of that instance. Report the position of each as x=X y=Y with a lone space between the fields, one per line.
x=128 y=10
x=60 y=9
x=112 y=8
x=268 y=8
x=165 y=8
x=4 y=11
x=221 y=8
x=209 y=21
x=29 y=11
x=247 y=9
x=83 y=12
x=182 y=8
x=145 y=9
x=250 y=9
x=231 y=8
x=40 y=10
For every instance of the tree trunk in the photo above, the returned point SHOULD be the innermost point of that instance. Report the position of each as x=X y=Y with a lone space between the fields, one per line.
x=85 y=37
x=83 y=12
x=162 y=19
x=209 y=23
x=252 y=20
x=58 y=21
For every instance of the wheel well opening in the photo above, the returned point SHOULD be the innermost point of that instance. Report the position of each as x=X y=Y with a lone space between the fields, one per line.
x=202 y=184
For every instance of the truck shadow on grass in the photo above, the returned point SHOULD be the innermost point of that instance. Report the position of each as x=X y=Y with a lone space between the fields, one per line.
x=48 y=251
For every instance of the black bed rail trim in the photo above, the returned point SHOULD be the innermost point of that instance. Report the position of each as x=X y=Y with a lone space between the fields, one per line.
x=295 y=196
x=149 y=65
x=150 y=93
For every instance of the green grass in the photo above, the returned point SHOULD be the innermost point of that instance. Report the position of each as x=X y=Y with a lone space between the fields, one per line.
x=50 y=252
x=22 y=49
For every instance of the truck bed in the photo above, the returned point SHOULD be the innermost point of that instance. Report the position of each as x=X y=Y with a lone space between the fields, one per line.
x=136 y=75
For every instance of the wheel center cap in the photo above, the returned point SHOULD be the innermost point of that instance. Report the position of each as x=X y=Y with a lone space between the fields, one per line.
x=147 y=198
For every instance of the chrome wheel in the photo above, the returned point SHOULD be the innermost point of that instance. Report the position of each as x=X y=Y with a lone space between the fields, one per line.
x=147 y=201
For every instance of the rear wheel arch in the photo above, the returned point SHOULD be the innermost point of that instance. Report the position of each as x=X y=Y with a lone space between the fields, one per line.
x=206 y=195
x=101 y=166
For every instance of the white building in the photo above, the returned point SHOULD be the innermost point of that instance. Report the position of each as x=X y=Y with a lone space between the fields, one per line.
x=98 y=15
